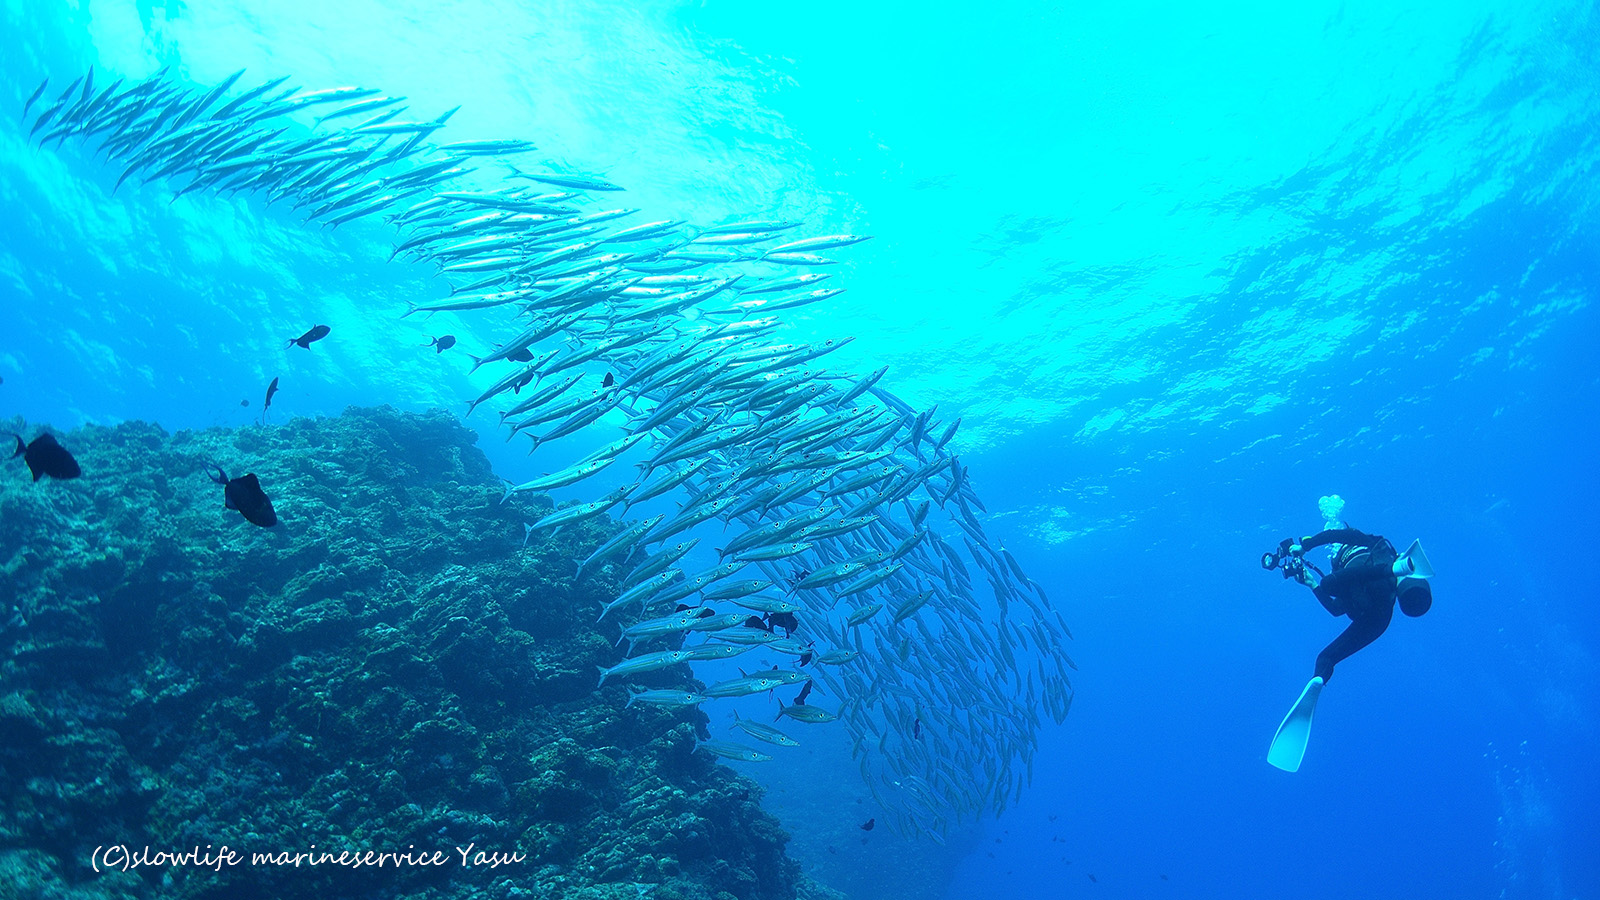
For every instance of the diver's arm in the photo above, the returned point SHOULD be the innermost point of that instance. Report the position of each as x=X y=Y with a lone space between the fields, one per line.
x=1339 y=536
x=1306 y=577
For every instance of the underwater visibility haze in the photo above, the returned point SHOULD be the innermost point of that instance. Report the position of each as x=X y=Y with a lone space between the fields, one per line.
x=716 y=450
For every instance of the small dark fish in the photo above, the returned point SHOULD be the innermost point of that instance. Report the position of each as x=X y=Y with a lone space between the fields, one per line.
x=266 y=405
x=245 y=495
x=916 y=730
x=1094 y=879
x=867 y=825
x=610 y=380
x=523 y=355
x=1165 y=878
x=317 y=333
x=444 y=342
x=244 y=402
x=47 y=457
x=785 y=620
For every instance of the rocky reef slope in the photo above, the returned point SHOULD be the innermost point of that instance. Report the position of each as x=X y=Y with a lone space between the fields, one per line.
x=385 y=670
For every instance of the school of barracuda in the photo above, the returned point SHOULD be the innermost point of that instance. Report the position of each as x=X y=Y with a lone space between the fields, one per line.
x=833 y=478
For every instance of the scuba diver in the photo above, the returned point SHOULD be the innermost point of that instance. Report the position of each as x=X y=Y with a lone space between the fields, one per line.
x=1367 y=580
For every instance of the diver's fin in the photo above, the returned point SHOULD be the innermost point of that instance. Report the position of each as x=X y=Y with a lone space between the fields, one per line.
x=1289 y=744
x=1413 y=563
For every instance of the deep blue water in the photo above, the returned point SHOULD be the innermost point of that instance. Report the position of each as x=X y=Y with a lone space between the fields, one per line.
x=1180 y=270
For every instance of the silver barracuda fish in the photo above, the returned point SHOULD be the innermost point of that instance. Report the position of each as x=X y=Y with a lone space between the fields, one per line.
x=649 y=662
x=814 y=715
x=763 y=732
x=731 y=750
x=667 y=698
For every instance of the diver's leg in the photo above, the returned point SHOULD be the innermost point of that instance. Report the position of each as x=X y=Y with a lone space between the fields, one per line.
x=1361 y=632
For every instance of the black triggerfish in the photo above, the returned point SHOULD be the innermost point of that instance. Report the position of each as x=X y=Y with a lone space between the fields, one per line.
x=245 y=495
x=46 y=457
x=317 y=333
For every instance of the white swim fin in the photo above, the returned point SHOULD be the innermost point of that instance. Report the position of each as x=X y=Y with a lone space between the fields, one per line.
x=1413 y=563
x=1289 y=744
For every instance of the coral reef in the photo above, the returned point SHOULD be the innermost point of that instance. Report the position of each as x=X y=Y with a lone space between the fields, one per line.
x=382 y=671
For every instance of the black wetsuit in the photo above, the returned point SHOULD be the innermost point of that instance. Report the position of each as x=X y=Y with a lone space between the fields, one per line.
x=1365 y=593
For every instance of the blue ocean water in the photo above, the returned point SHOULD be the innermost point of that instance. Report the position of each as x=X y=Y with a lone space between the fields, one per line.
x=1179 y=269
